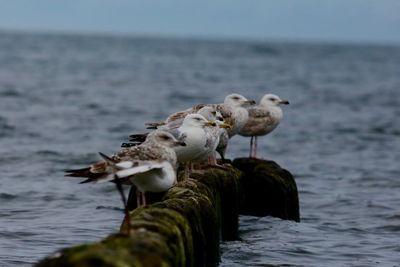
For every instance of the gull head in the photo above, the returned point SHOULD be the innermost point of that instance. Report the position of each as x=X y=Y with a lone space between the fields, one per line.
x=222 y=124
x=237 y=100
x=208 y=112
x=219 y=117
x=164 y=138
x=269 y=100
x=220 y=121
x=197 y=120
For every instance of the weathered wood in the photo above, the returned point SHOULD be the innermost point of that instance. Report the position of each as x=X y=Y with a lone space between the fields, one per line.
x=267 y=189
x=185 y=225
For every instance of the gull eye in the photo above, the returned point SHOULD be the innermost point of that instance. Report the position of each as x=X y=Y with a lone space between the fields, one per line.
x=165 y=137
x=235 y=98
x=272 y=99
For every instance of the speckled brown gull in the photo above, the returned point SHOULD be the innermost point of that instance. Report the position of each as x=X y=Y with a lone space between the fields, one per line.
x=262 y=119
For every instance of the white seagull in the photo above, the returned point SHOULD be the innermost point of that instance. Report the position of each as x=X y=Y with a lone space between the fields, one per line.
x=193 y=133
x=213 y=134
x=180 y=128
x=233 y=111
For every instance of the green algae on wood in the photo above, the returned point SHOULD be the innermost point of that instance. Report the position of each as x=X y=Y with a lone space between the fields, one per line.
x=195 y=201
x=180 y=230
x=164 y=246
x=268 y=189
x=184 y=225
x=226 y=185
x=143 y=249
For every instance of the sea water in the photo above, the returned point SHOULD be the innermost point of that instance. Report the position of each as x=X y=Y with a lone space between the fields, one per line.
x=63 y=98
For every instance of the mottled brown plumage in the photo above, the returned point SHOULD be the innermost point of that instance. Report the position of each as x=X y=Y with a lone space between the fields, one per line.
x=176 y=117
x=262 y=119
x=152 y=149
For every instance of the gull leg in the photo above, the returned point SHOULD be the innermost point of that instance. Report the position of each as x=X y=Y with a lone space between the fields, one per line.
x=255 y=153
x=138 y=199
x=213 y=159
x=212 y=163
x=143 y=199
x=255 y=148
x=127 y=215
x=251 y=147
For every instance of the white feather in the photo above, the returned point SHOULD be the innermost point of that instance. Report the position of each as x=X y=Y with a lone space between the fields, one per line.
x=136 y=170
x=124 y=164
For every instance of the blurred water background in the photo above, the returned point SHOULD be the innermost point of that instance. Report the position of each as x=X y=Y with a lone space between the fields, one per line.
x=63 y=98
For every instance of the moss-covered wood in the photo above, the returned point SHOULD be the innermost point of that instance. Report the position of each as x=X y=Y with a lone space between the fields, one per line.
x=267 y=189
x=184 y=226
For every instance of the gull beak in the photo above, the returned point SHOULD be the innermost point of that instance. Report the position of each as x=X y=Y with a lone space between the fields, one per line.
x=225 y=125
x=210 y=123
x=220 y=119
x=284 y=102
x=180 y=143
x=249 y=102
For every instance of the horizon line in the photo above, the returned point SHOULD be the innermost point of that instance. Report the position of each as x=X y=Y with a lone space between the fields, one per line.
x=200 y=37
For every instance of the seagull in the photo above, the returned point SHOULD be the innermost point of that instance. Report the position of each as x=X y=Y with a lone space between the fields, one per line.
x=150 y=167
x=201 y=142
x=233 y=111
x=220 y=137
x=145 y=166
x=177 y=117
x=174 y=121
x=193 y=132
x=263 y=119
x=235 y=114
x=212 y=134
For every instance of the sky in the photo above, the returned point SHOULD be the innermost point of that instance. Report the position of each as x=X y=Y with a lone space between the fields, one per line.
x=359 y=21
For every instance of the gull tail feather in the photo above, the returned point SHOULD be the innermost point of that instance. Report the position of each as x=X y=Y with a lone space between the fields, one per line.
x=84 y=172
x=95 y=172
x=139 y=138
x=107 y=159
x=102 y=179
x=153 y=125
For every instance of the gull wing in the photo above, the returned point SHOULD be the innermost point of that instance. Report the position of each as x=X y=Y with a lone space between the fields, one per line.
x=139 y=167
x=256 y=112
x=180 y=115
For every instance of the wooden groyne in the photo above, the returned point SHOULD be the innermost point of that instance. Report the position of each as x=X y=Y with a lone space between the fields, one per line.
x=184 y=226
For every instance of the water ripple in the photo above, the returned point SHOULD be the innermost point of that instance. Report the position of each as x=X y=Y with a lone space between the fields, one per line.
x=339 y=137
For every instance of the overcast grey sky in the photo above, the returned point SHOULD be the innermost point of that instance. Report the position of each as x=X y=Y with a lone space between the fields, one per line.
x=372 y=21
